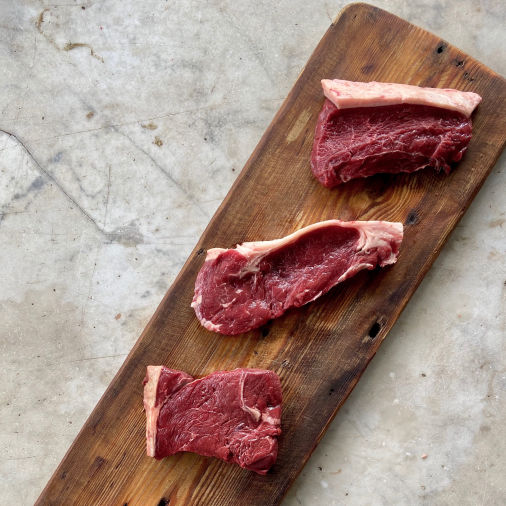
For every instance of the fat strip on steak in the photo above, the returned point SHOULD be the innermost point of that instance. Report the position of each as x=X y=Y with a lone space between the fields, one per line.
x=242 y=288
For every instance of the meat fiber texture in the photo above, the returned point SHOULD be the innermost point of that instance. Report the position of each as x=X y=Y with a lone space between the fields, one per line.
x=242 y=288
x=369 y=128
x=232 y=415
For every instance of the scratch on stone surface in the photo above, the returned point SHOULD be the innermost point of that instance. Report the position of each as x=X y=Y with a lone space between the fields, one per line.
x=251 y=43
x=98 y=358
x=69 y=46
x=34 y=50
x=108 y=193
x=59 y=136
x=54 y=181
x=90 y=287
x=21 y=458
x=164 y=171
x=5 y=213
x=126 y=123
x=111 y=126
x=186 y=111
x=328 y=14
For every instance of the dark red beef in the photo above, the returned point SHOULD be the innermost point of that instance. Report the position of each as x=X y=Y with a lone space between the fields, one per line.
x=363 y=141
x=232 y=415
x=240 y=289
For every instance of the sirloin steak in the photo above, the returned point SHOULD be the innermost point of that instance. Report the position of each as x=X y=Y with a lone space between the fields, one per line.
x=232 y=415
x=242 y=288
x=368 y=128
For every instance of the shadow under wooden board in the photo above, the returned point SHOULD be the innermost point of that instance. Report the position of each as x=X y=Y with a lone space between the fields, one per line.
x=321 y=349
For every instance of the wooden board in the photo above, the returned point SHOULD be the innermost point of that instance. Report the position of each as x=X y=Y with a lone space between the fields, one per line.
x=319 y=350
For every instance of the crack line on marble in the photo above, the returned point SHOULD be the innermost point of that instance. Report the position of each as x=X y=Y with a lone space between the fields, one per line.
x=110 y=237
x=188 y=195
x=108 y=193
x=126 y=123
x=97 y=358
x=34 y=51
x=56 y=183
x=250 y=42
x=328 y=14
x=88 y=296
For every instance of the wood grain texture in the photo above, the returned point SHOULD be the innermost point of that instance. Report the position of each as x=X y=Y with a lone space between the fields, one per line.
x=319 y=350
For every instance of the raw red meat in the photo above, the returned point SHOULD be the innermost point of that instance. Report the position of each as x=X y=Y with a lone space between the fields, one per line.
x=368 y=128
x=240 y=289
x=232 y=415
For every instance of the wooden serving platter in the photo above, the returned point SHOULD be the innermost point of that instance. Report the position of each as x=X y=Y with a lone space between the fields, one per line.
x=321 y=349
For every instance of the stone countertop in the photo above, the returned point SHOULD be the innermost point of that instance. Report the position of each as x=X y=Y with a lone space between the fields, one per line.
x=123 y=125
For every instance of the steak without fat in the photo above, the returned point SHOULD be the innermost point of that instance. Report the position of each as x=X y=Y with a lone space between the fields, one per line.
x=232 y=415
x=242 y=288
x=368 y=128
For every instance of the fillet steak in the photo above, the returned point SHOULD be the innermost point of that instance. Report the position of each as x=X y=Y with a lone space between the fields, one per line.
x=232 y=415
x=368 y=128
x=242 y=288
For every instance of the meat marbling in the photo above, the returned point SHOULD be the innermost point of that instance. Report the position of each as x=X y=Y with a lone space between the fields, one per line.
x=242 y=288
x=368 y=128
x=232 y=415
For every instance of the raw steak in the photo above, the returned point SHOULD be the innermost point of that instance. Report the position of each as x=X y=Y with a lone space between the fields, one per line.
x=240 y=289
x=368 y=128
x=233 y=415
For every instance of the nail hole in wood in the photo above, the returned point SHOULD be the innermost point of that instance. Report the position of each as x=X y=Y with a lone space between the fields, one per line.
x=200 y=251
x=99 y=461
x=412 y=218
x=163 y=502
x=440 y=48
x=266 y=329
x=373 y=331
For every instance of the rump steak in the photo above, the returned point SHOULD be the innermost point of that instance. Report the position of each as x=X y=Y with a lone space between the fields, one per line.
x=242 y=288
x=233 y=415
x=368 y=128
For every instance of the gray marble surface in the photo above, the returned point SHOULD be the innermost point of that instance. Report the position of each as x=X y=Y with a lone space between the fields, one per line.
x=123 y=125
